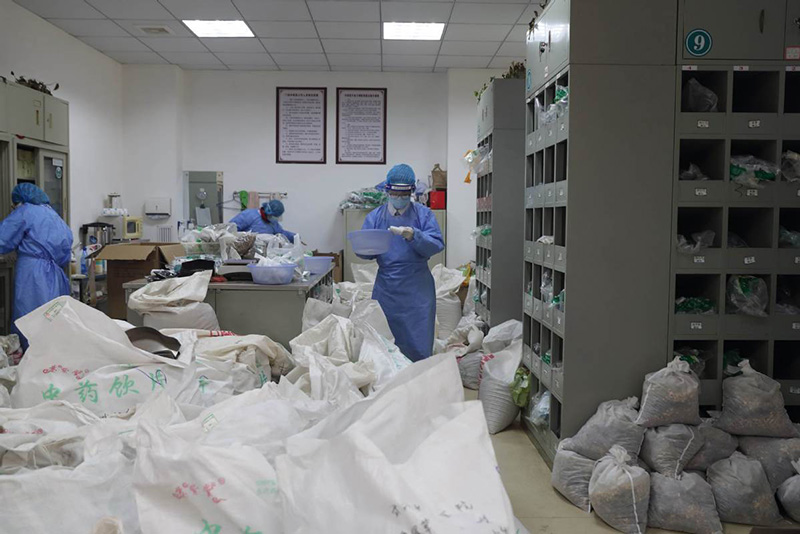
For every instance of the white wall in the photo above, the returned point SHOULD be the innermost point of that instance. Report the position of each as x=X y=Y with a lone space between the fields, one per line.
x=461 y=136
x=91 y=82
x=152 y=135
x=231 y=128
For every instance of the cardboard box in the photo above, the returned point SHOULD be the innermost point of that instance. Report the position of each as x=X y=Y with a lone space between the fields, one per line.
x=132 y=261
x=337 y=263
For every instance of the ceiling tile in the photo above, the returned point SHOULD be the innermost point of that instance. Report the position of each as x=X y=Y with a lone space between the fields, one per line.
x=233 y=44
x=176 y=44
x=305 y=68
x=273 y=10
x=202 y=9
x=230 y=58
x=300 y=59
x=349 y=30
x=297 y=30
x=512 y=49
x=292 y=46
x=408 y=61
x=519 y=33
x=354 y=60
x=61 y=9
x=500 y=62
x=351 y=46
x=477 y=32
x=115 y=44
x=356 y=69
x=191 y=58
x=486 y=13
x=411 y=47
x=130 y=9
x=406 y=69
x=416 y=11
x=529 y=13
x=142 y=58
x=469 y=48
x=134 y=27
x=328 y=10
x=465 y=62
x=191 y=66
x=89 y=27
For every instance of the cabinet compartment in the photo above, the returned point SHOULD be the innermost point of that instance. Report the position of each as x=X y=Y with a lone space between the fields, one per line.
x=696 y=220
x=705 y=286
x=756 y=91
x=756 y=351
x=739 y=29
x=25 y=111
x=708 y=155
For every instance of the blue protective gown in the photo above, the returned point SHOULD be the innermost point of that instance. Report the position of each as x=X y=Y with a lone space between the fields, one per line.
x=251 y=221
x=43 y=243
x=404 y=286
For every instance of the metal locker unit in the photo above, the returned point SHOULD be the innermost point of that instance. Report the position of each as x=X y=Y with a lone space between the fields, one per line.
x=597 y=203
x=501 y=123
x=750 y=59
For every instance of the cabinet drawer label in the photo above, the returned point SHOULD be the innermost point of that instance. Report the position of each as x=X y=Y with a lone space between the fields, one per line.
x=797 y=260
x=696 y=326
x=558 y=320
x=792 y=53
x=741 y=68
x=749 y=260
x=794 y=390
x=560 y=256
x=701 y=192
x=795 y=326
x=754 y=124
x=689 y=67
x=699 y=259
x=703 y=124
x=752 y=192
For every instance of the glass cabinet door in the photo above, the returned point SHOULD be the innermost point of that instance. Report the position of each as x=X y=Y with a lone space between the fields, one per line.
x=53 y=179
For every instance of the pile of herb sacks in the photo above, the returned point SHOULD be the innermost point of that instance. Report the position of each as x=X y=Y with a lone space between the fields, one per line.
x=660 y=464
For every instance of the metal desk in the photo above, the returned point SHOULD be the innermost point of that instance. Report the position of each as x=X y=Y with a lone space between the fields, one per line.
x=248 y=308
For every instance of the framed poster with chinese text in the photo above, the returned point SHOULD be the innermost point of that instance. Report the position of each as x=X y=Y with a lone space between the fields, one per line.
x=361 y=126
x=301 y=125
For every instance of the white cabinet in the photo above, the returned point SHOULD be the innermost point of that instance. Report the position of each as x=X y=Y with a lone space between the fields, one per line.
x=56 y=123
x=25 y=111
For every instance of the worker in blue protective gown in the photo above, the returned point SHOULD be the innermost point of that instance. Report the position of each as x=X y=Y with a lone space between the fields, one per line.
x=264 y=220
x=404 y=286
x=44 y=248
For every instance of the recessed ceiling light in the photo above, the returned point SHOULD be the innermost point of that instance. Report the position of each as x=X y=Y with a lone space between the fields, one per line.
x=219 y=28
x=413 y=31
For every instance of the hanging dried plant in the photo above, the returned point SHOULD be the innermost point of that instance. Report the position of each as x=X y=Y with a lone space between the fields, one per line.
x=34 y=84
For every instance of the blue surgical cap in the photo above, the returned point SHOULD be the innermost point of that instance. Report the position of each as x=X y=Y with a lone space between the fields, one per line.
x=29 y=194
x=273 y=208
x=401 y=179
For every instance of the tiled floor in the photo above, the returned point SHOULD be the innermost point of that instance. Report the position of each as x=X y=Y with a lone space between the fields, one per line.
x=537 y=505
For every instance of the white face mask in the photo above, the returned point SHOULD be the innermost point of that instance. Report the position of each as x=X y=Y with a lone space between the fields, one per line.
x=400 y=203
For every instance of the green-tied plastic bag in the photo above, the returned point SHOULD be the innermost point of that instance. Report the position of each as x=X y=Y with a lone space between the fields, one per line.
x=521 y=387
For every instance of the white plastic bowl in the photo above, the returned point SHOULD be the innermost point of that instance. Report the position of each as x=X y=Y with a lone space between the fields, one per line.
x=272 y=275
x=370 y=242
x=318 y=264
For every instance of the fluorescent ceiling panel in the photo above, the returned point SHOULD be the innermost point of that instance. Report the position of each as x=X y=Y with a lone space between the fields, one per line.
x=413 y=31
x=219 y=28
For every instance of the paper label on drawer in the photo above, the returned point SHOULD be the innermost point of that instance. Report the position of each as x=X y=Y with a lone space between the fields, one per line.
x=699 y=259
x=696 y=326
x=703 y=124
x=794 y=390
x=558 y=320
x=795 y=326
x=741 y=68
x=701 y=192
x=752 y=192
x=749 y=260
x=754 y=124
x=797 y=260
x=793 y=69
x=689 y=67
x=792 y=53
x=563 y=127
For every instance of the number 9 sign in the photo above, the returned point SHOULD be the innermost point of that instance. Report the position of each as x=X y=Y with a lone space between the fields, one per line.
x=698 y=42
